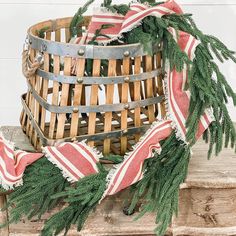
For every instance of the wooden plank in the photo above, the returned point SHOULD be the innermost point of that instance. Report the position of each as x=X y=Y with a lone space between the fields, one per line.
x=109 y=100
x=80 y=66
x=210 y=207
x=124 y=99
x=64 y=99
x=93 y=100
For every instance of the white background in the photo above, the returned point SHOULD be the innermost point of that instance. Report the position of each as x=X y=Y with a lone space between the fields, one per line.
x=217 y=17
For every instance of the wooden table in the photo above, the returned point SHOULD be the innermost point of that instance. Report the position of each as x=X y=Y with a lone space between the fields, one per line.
x=207 y=204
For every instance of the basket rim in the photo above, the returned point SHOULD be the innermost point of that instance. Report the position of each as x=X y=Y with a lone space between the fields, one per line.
x=89 y=51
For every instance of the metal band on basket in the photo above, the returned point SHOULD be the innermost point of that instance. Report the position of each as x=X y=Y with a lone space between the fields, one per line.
x=89 y=51
x=90 y=80
x=94 y=108
x=94 y=137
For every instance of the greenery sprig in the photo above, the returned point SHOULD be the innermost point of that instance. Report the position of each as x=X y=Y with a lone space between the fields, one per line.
x=41 y=180
x=81 y=198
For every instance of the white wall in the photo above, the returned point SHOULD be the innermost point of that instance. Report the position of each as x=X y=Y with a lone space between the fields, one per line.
x=216 y=17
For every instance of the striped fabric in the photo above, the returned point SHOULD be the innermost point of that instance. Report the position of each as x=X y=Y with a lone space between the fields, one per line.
x=130 y=170
x=13 y=164
x=75 y=160
x=178 y=98
x=126 y=23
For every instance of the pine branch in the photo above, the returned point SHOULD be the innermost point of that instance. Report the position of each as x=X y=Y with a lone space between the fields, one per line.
x=41 y=32
x=78 y=19
x=119 y=9
x=160 y=185
x=41 y=180
x=82 y=199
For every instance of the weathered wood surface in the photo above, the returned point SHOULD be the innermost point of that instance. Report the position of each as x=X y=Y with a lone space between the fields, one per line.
x=207 y=204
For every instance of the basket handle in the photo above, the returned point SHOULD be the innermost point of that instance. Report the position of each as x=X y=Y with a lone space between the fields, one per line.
x=29 y=68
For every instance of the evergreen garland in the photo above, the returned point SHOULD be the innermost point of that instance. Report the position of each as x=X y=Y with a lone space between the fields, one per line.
x=81 y=198
x=33 y=198
x=159 y=187
x=44 y=186
x=75 y=25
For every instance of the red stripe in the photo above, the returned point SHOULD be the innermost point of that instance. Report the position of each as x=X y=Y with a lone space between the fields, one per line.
x=9 y=150
x=142 y=154
x=172 y=105
x=54 y=156
x=26 y=160
x=138 y=18
x=137 y=153
x=77 y=159
x=5 y=177
x=173 y=83
x=88 y=152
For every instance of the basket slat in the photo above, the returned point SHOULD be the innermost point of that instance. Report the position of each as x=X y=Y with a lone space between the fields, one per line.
x=149 y=88
x=137 y=93
x=109 y=100
x=55 y=96
x=94 y=100
x=80 y=65
x=64 y=99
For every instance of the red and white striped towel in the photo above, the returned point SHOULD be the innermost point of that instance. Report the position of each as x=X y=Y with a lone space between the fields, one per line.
x=76 y=160
x=13 y=164
x=131 y=170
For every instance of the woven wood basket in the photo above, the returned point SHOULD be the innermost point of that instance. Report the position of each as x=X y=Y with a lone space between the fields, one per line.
x=110 y=112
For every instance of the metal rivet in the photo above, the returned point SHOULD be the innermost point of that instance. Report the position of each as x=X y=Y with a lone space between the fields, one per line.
x=73 y=139
x=75 y=109
x=81 y=52
x=126 y=106
x=126 y=53
x=125 y=131
x=126 y=79
x=80 y=80
x=30 y=41
x=30 y=118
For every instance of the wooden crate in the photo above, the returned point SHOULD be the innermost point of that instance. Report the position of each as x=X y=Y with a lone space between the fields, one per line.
x=111 y=108
x=207 y=203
